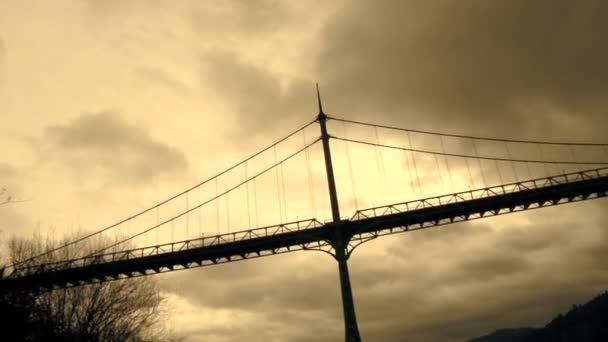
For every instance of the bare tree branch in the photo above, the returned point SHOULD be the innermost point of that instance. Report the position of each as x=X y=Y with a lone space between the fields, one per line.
x=9 y=198
x=126 y=310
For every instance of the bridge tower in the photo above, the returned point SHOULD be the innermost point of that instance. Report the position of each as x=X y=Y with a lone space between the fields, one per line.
x=340 y=238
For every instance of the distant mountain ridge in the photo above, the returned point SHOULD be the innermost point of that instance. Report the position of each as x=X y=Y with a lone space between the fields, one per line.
x=587 y=322
x=506 y=335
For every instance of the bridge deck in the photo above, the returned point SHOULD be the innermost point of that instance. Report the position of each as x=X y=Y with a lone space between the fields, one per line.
x=312 y=234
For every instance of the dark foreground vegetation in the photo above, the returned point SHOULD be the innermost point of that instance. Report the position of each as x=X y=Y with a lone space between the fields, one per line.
x=587 y=322
x=112 y=311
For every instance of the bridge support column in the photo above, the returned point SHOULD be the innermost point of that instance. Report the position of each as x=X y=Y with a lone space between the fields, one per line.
x=351 y=329
x=340 y=241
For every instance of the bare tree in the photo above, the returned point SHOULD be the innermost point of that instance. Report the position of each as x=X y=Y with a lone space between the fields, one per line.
x=6 y=198
x=124 y=310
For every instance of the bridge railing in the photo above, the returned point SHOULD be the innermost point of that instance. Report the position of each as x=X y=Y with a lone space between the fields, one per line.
x=480 y=193
x=205 y=241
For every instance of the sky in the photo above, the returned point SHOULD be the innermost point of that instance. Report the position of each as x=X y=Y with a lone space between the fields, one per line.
x=108 y=107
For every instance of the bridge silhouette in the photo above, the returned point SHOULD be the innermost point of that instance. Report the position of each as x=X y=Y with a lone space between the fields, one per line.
x=131 y=255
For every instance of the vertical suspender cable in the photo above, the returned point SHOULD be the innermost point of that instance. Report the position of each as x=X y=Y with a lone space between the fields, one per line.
x=228 y=212
x=311 y=186
x=528 y=170
x=483 y=177
x=350 y=168
x=409 y=141
x=471 y=181
x=128 y=229
x=498 y=171
x=439 y=172
x=118 y=230
x=255 y=201
x=146 y=240
x=187 y=217
x=447 y=165
x=217 y=208
x=276 y=171
x=157 y=222
x=512 y=163
x=283 y=190
x=542 y=157
x=380 y=162
x=410 y=180
x=381 y=179
x=572 y=154
x=247 y=194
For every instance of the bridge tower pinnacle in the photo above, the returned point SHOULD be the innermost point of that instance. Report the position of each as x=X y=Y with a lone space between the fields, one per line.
x=340 y=239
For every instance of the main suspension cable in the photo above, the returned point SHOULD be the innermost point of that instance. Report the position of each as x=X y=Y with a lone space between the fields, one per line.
x=466 y=136
x=70 y=243
x=226 y=192
x=564 y=162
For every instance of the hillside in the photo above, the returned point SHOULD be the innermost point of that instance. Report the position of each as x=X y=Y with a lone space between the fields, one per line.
x=588 y=322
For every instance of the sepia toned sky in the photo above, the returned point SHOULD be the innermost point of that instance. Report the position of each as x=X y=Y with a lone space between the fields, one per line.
x=108 y=107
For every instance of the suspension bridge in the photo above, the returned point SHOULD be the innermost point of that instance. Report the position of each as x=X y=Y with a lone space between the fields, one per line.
x=482 y=176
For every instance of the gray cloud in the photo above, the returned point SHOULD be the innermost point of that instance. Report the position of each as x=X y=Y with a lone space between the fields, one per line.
x=242 y=18
x=530 y=67
x=254 y=278
x=256 y=96
x=163 y=78
x=110 y=7
x=1 y=58
x=286 y=296
x=263 y=15
x=6 y=170
x=499 y=265
x=469 y=282
x=12 y=222
x=104 y=143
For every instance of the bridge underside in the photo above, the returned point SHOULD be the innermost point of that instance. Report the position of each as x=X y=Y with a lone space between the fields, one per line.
x=366 y=224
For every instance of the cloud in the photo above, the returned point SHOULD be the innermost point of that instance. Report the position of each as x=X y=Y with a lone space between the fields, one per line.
x=1 y=58
x=276 y=299
x=239 y=17
x=159 y=76
x=105 y=145
x=12 y=222
x=471 y=65
x=6 y=170
x=256 y=97
x=110 y=7
x=254 y=280
x=12 y=219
